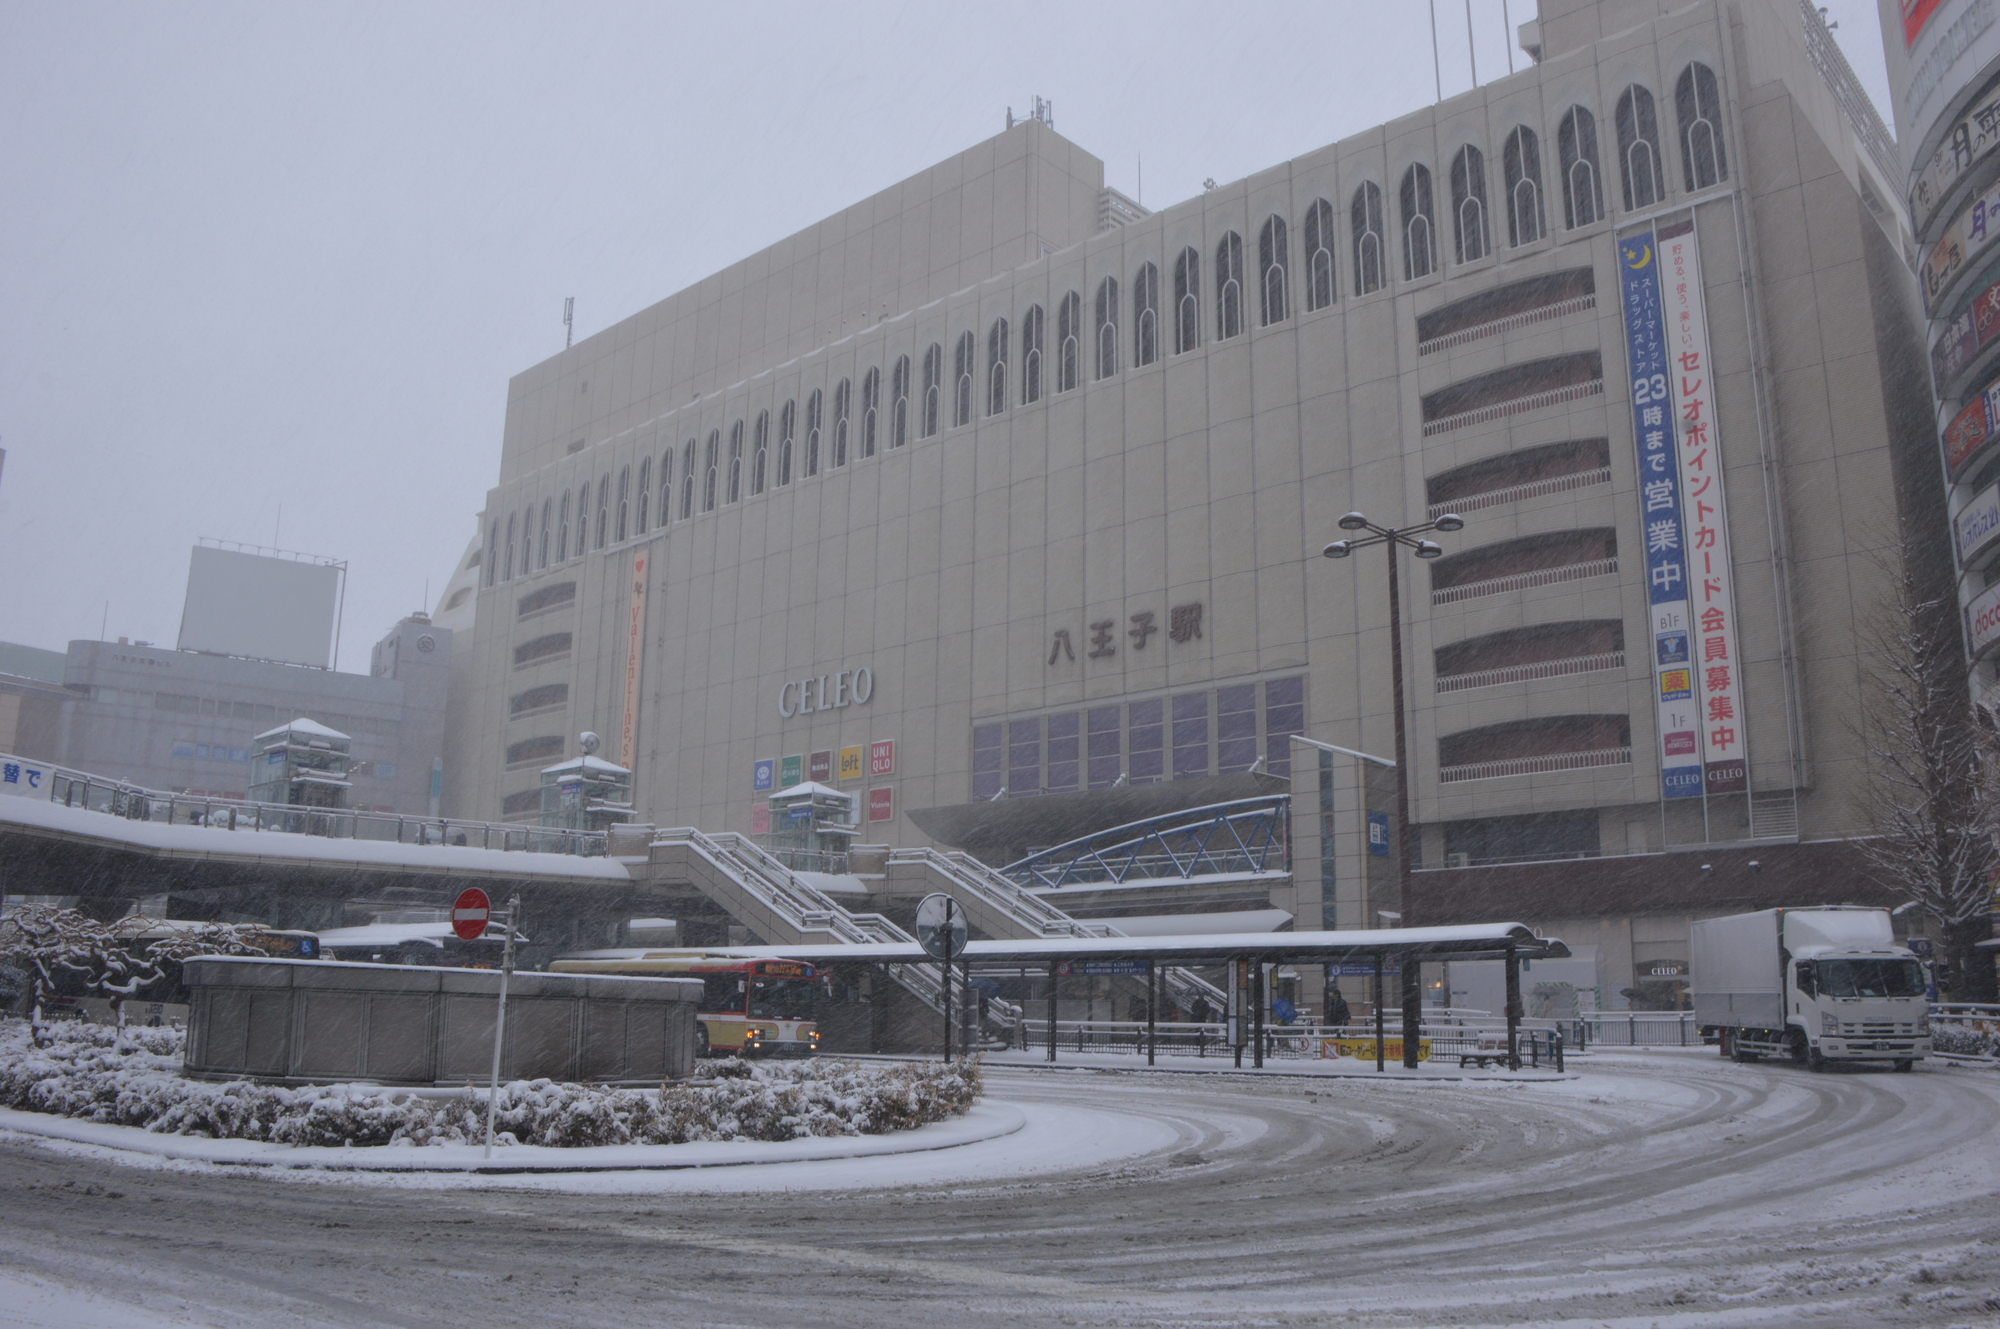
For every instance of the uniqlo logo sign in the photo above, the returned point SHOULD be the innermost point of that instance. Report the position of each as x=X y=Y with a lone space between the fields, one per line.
x=882 y=757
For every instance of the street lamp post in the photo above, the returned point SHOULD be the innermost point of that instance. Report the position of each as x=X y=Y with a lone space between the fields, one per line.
x=1390 y=537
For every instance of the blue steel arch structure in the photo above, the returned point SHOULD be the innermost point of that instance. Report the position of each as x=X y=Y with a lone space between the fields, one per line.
x=1246 y=837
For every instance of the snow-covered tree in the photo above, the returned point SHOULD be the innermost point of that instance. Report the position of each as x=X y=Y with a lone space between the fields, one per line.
x=1933 y=792
x=42 y=941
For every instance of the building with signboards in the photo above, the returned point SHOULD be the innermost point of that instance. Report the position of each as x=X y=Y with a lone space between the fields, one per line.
x=995 y=501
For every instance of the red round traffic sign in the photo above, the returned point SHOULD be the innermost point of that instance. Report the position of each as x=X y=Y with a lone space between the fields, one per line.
x=469 y=914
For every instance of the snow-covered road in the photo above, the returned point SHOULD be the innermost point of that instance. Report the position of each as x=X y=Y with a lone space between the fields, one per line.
x=1657 y=1189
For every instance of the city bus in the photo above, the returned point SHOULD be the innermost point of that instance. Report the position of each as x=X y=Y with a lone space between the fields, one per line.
x=750 y=1008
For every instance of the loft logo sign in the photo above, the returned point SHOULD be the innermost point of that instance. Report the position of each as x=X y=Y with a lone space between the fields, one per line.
x=826 y=692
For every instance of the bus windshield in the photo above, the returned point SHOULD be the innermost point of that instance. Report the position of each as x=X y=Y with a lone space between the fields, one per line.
x=783 y=998
x=1871 y=978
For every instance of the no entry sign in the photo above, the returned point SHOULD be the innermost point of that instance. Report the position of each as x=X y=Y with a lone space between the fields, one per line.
x=469 y=914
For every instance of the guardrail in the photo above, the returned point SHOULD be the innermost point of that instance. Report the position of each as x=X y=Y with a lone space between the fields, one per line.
x=1966 y=1031
x=1634 y=1029
x=116 y=798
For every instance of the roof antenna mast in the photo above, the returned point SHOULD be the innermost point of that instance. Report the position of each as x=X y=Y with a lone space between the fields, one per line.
x=569 y=314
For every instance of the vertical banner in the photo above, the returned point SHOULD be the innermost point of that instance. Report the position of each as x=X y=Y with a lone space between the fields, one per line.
x=1660 y=517
x=1711 y=578
x=635 y=641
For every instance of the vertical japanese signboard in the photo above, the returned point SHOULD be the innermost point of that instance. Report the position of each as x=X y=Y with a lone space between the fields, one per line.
x=635 y=642
x=1718 y=667
x=1660 y=517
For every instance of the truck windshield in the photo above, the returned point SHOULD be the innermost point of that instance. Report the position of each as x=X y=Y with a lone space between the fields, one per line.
x=1871 y=978
x=783 y=998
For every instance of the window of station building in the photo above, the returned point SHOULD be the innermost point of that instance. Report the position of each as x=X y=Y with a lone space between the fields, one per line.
x=1031 y=355
x=582 y=517
x=710 y=476
x=997 y=344
x=1063 y=767
x=1523 y=387
x=1535 y=746
x=1556 y=289
x=1519 y=655
x=542 y=650
x=760 y=451
x=961 y=380
x=812 y=433
x=1698 y=108
x=542 y=554
x=1024 y=757
x=1228 y=286
x=624 y=503
x=989 y=761
x=842 y=392
x=734 y=489
x=666 y=485
x=1107 y=327
x=1522 y=473
x=933 y=390
x=1639 y=148
x=1146 y=313
x=508 y=566
x=1521 y=164
x=1190 y=735
x=518 y=807
x=1273 y=261
x=871 y=409
x=1187 y=301
x=899 y=403
x=1529 y=560
x=786 y=415
x=604 y=507
x=457 y=598
x=1103 y=748
x=1319 y=255
x=1536 y=837
x=543 y=599
x=539 y=699
x=645 y=492
x=1419 y=218
x=493 y=547
x=1468 y=205
x=1365 y=224
x=537 y=751
x=1576 y=150
x=1069 y=326
x=687 y=481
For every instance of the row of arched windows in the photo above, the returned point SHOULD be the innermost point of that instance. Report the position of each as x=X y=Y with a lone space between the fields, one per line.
x=528 y=540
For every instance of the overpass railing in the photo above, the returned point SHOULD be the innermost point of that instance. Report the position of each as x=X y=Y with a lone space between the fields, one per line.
x=77 y=789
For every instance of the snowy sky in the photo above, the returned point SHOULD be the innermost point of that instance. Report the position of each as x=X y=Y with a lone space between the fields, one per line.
x=269 y=267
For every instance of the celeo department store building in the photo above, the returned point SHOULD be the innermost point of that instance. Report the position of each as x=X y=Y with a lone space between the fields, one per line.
x=997 y=501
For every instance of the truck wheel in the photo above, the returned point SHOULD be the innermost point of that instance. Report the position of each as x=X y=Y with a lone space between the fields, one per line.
x=1737 y=1053
x=1815 y=1060
x=1905 y=1066
x=1725 y=1042
x=1802 y=1052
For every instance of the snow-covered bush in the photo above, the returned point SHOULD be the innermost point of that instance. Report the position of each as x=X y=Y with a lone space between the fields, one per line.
x=1964 y=1041
x=86 y=1071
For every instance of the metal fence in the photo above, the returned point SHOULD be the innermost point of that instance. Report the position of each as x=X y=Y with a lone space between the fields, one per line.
x=1633 y=1029
x=1542 y=1042
x=1966 y=1030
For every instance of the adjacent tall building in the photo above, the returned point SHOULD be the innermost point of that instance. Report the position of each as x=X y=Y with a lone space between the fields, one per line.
x=996 y=502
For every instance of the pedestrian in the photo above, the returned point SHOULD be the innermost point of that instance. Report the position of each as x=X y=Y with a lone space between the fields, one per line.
x=1201 y=1011
x=1337 y=1013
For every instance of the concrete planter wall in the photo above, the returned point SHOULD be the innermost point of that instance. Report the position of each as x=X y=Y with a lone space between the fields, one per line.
x=325 y=1022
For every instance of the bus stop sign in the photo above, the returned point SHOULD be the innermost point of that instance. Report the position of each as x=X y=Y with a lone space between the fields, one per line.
x=469 y=914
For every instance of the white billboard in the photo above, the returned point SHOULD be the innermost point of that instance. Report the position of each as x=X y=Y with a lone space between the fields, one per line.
x=261 y=607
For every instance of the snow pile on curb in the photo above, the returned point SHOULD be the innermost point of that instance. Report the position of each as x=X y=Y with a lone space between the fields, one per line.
x=93 y=1073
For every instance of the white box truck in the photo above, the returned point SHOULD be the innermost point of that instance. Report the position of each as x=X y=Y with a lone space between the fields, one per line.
x=1815 y=985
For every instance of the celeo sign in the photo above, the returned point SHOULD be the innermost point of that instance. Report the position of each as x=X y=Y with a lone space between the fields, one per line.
x=826 y=692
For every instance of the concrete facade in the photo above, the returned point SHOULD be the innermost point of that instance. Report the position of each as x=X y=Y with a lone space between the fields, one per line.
x=1131 y=559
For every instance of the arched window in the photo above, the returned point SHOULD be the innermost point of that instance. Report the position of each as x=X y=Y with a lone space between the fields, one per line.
x=812 y=433
x=508 y=573
x=645 y=493
x=624 y=504
x=562 y=528
x=1576 y=149
x=1639 y=149
x=1069 y=320
x=842 y=391
x=1228 y=286
x=582 y=517
x=1521 y=163
x=786 y=414
x=710 y=470
x=961 y=380
x=1107 y=327
x=734 y=489
x=603 y=510
x=666 y=485
x=933 y=390
x=1419 y=224
x=492 y=553
x=760 y=452
x=871 y=409
x=899 y=403
x=1187 y=301
x=542 y=555
x=1031 y=355
x=687 y=480
x=1319 y=255
x=1146 y=313
x=1365 y=225
x=1698 y=108
x=1273 y=262
x=1468 y=204
x=997 y=343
